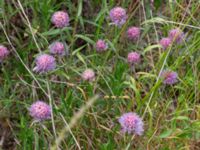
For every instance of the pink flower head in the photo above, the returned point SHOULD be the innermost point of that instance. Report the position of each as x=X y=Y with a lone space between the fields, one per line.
x=3 y=52
x=131 y=123
x=101 y=45
x=40 y=110
x=45 y=63
x=169 y=77
x=133 y=33
x=60 y=19
x=165 y=42
x=57 y=48
x=118 y=16
x=133 y=57
x=176 y=35
x=88 y=75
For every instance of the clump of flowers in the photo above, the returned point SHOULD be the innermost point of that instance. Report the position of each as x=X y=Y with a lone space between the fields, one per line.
x=57 y=48
x=169 y=77
x=3 y=52
x=40 y=111
x=60 y=19
x=88 y=75
x=165 y=42
x=44 y=63
x=133 y=33
x=133 y=58
x=101 y=45
x=131 y=123
x=176 y=35
x=118 y=16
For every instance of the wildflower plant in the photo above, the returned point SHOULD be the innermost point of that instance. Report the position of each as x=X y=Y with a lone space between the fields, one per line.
x=133 y=58
x=131 y=123
x=101 y=46
x=57 y=48
x=169 y=77
x=133 y=33
x=176 y=35
x=40 y=111
x=118 y=16
x=3 y=52
x=88 y=75
x=60 y=19
x=44 y=63
x=118 y=54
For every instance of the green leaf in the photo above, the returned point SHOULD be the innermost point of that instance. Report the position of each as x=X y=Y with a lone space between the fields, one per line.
x=85 y=38
x=77 y=50
x=157 y=3
x=181 y=118
x=80 y=6
x=80 y=57
x=149 y=48
x=55 y=31
x=166 y=133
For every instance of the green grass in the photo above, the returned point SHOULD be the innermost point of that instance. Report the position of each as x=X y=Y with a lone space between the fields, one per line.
x=171 y=114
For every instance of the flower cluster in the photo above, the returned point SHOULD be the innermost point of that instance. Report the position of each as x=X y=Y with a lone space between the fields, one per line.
x=133 y=33
x=175 y=35
x=169 y=77
x=133 y=58
x=3 y=52
x=131 y=123
x=165 y=42
x=118 y=16
x=57 y=48
x=60 y=19
x=45 y=63
x=101 y=45
x=88 y=75
x=40 y=111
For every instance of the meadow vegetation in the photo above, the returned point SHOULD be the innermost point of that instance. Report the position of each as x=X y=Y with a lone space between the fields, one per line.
x=100 y=74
